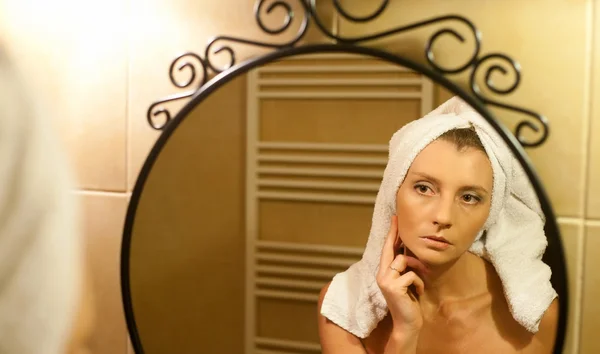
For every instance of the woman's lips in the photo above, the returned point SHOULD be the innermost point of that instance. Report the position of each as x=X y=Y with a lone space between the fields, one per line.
x=436 y=242
x=437 y=238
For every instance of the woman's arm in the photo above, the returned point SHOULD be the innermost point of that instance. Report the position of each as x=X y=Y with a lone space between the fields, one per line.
x=543 y=341
x=334 y=339
x=400 y=343
x=405 y=311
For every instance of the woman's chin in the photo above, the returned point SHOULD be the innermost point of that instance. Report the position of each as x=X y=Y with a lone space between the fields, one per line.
x=432 y=257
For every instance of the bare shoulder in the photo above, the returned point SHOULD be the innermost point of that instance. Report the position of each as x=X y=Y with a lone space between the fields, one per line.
x=543 y=340
x=333 y=338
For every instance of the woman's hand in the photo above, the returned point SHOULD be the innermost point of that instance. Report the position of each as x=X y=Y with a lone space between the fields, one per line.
x=394 y=283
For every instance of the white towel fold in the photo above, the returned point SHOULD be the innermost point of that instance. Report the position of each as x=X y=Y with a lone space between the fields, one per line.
x=512 y=239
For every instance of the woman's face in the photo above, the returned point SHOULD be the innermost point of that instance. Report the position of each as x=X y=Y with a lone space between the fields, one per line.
x=444 y=201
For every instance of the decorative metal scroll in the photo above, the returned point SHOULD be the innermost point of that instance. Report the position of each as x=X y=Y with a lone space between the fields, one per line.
x=493 y=63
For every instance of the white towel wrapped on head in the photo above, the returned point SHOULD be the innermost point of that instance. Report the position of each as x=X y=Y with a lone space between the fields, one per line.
x=512 y=239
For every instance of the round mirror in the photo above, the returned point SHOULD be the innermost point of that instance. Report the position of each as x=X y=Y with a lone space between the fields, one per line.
x=263 y=189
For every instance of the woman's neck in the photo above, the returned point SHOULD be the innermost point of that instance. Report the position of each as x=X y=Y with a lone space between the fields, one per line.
x=463 y=279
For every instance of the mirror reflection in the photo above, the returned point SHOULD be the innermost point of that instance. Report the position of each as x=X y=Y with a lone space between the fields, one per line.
x=269 y=190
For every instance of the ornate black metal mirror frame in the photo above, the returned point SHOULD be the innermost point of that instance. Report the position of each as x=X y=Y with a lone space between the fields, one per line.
x=477 y=62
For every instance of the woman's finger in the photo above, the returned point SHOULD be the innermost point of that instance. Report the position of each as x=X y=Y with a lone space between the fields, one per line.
x=398 y=265
x=387 y=253
x=401 y=262
x=411 y=278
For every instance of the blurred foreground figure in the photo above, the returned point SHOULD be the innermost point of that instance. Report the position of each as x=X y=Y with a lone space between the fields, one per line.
x=45 y=305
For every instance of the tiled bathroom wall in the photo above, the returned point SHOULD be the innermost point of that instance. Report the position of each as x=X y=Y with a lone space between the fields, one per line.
x=99 y=66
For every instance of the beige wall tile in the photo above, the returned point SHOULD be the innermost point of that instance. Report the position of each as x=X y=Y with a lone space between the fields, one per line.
x=77 y=65
x=590 y=321
x=103 y=218
x=553 y=76
x=96 y=87
x=593 y=187
x=572 y=236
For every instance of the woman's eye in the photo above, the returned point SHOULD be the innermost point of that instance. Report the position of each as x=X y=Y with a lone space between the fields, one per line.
x=471 y=199
x=423 y=189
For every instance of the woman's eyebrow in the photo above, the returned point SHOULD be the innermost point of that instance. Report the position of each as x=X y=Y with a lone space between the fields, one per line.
x=437 y=181
x=427 y=176
x=480 y=189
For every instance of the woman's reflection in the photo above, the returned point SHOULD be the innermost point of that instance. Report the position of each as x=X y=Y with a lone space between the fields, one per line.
x=447 y=287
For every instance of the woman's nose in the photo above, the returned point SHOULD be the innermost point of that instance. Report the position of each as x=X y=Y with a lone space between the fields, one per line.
x=442 y=216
